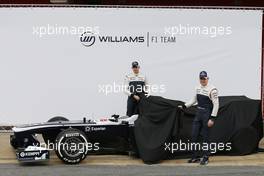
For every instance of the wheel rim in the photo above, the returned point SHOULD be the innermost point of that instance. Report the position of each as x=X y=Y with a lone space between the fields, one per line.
x=72 y=149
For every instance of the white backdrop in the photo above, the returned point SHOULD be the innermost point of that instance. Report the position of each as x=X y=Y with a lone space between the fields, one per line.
x=41 y=77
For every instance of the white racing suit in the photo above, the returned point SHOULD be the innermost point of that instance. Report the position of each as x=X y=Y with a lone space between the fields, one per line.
x=207 y=99
x=135 y=84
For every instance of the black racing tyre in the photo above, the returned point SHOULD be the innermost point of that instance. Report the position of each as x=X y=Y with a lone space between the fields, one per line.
x=13 y=141
x=58 y=119
x=71 y=146
x=245 y=141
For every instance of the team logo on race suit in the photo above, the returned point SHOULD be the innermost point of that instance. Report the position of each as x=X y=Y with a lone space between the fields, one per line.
x=87 y=39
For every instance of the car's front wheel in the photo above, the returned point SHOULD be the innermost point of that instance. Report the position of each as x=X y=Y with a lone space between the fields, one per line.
x=71 y=146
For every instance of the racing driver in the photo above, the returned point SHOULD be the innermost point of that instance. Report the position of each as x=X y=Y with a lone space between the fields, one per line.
x=135 y=85
x=206 y=97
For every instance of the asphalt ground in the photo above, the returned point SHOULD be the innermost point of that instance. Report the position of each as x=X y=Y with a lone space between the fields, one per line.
x=248 y=165
x=143 y=170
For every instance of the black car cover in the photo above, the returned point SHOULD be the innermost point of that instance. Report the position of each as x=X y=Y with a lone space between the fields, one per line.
x=160 y=122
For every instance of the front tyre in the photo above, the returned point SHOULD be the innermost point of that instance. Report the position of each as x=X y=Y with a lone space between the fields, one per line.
x=71 y=146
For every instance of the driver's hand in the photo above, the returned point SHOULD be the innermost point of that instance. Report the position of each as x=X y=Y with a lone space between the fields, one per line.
x=182 y=107
x=210 y=123
x=136 y=97
x=147 y=95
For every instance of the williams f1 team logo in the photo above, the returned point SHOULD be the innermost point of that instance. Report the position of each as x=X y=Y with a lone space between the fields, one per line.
x=87 y=39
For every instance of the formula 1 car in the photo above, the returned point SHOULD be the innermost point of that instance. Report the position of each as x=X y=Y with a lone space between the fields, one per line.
x=73 y=140
x=159 y=122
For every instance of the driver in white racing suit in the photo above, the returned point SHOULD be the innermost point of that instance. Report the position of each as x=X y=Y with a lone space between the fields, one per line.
x=206 y=97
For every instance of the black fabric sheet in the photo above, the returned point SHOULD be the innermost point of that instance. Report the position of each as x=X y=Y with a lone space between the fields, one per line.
x=160 y=121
